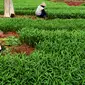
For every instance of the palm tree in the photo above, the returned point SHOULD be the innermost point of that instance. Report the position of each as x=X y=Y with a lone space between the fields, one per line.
x=8 y=8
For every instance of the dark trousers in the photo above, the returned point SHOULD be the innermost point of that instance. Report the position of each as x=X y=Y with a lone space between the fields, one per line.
x=43 y=14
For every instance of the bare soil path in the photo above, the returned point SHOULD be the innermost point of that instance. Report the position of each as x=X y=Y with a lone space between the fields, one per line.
x=23 y=48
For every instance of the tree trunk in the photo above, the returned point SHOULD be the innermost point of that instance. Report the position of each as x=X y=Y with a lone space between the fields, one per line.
x=11 y=9
x=8 y=8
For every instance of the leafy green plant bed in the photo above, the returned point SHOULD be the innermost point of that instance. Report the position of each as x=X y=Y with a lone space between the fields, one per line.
x=59 y=58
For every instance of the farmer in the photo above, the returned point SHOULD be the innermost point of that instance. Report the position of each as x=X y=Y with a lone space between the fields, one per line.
x=40 y=11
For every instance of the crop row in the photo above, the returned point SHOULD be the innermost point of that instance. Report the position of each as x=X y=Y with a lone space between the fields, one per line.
x=59 y=24
x=62 y=12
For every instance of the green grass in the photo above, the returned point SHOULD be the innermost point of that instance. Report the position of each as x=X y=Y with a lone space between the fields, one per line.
x=59 y=56
x=56 y=24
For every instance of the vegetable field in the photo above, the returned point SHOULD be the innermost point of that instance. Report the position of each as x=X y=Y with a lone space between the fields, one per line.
x=59 y=42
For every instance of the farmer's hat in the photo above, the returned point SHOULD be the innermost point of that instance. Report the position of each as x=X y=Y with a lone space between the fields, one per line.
x=43 y=4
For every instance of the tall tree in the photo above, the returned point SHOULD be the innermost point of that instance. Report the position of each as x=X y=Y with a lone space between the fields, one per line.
x=8 y=8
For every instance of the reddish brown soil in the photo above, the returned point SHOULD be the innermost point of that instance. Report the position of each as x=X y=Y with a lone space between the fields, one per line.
x=24 y=48
x=11 y=34
x=73 y=3
x=4 y=35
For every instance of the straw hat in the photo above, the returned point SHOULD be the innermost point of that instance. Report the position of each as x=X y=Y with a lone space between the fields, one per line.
x=43 y=4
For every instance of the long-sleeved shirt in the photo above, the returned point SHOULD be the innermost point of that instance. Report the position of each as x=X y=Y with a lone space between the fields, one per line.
x=39 y=10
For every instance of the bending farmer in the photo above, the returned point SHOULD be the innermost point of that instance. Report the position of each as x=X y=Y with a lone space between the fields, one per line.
x=40 y=11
